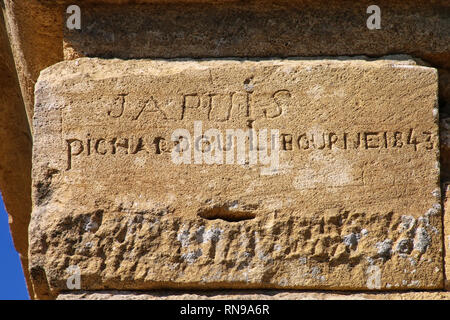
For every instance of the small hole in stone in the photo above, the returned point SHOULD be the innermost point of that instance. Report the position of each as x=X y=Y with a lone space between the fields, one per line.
x=224 y=213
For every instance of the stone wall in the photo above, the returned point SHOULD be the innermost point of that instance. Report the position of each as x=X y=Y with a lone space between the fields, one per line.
x=352 y=200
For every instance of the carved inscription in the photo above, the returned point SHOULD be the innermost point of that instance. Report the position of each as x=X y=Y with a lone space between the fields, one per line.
x=223 y=107
x=363 y=141
x=219 y=107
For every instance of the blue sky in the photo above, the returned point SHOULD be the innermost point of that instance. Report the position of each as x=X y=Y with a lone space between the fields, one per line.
x=12 y=280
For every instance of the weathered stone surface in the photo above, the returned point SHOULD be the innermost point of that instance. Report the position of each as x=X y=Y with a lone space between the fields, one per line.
x=260 y=28
x=355 y=204
x=15 y=152
x=35 y=33
x=252 y=295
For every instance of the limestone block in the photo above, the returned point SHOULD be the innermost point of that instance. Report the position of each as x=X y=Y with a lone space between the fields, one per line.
x=261 y=28
x=332 y=182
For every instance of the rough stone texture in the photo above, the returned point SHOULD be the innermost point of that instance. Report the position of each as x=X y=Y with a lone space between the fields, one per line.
x=262 y=28
x=15 y=152
x=252 y=295
x=108 y=198
x=35 y=32
x=221 y=28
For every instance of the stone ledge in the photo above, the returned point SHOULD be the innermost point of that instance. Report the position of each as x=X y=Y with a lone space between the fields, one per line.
x=252 y=295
